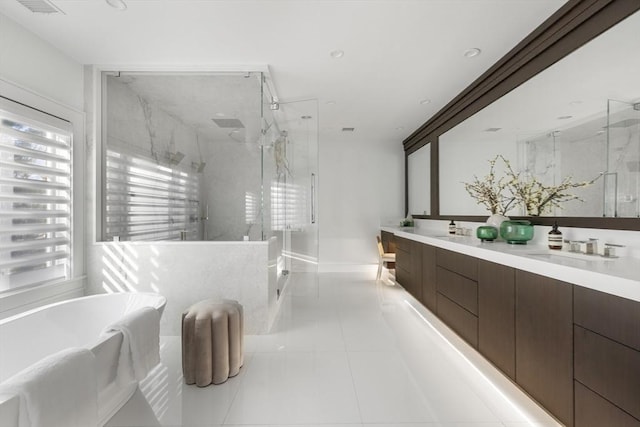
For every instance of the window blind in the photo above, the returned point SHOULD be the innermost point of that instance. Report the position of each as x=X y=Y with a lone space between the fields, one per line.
x=35 y=201
x=288 y=203
x=148 y=201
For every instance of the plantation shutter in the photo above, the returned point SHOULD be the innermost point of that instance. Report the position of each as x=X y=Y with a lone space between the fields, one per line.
x=35 y=198
x=146 y=200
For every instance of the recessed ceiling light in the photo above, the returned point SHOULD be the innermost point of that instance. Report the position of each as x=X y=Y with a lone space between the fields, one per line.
x=337 y=54
x=575 y=103
x=117 y=4
x=564 y=117
x=425 y=101
x=220 y=114
x=400 y=128
x=331 y=102
x=472 y=53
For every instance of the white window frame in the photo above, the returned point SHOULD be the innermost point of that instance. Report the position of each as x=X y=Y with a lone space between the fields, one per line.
x=25 y=102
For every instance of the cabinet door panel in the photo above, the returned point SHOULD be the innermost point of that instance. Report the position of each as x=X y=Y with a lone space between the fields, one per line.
x=388 y=241
x=464 y=265
x=458 y=319
x=429 y=277
x=458 y=288
x=594 y=411
x=609 y=315
x=496 y=315
x=544 y=342
x=610 y=369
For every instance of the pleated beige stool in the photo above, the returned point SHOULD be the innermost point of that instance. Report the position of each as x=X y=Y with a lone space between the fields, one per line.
x=212 y=341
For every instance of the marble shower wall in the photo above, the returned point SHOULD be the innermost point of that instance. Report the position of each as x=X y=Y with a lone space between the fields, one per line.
x=142 y=128
x=583 y=152
x=231 y=187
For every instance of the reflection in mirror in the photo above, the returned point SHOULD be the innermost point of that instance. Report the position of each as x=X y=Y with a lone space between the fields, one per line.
x=577 y=120
x=419 y=173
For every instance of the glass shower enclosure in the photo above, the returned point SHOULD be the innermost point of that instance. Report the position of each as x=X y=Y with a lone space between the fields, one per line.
x=209 y=157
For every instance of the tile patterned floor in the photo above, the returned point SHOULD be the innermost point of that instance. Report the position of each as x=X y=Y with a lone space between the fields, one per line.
x=346 y=351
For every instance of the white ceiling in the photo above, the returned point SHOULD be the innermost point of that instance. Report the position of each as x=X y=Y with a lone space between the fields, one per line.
x=396 y=52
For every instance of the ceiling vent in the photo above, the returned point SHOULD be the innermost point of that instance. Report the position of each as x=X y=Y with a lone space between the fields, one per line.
x=229 y=123
x=40 y=6
x=348 y=129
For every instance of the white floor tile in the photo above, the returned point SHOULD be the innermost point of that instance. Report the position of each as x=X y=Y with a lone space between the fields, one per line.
x=345 y=351
x=296 y=388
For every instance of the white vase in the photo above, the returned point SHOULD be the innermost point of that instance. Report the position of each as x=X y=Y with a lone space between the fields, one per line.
x=496 y=221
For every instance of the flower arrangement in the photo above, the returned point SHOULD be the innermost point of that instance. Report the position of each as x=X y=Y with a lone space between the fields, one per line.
x=490 y=192
x=501 y=195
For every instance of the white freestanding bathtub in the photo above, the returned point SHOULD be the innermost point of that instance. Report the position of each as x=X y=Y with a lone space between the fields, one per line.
x=28 y=337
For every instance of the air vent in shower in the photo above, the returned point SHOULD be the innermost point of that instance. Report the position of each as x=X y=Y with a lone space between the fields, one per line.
x=229 y=123
x=40 y=6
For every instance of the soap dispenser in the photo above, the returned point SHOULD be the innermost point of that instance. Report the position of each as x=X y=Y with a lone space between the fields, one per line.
x=555 y=237
x=452 y=227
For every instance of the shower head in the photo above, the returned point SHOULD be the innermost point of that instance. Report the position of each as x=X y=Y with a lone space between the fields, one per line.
x=198 y=167
x=174 y=159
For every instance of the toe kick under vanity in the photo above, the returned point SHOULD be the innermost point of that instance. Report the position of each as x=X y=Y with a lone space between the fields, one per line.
x=566 y=330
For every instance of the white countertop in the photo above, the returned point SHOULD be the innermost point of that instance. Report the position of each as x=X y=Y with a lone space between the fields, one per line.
x=618 y=276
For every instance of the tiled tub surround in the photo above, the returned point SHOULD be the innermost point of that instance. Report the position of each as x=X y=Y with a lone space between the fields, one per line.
x=186 y=272
x=619 y=276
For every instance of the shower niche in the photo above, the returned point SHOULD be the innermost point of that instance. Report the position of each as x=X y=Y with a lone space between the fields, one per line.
x=204 y=157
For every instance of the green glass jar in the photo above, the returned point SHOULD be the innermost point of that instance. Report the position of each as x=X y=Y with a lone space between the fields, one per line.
x=487 y=233
x=516 y=232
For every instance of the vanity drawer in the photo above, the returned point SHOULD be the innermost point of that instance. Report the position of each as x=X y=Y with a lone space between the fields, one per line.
x=594 y=411
x=610 y=369
x=458 y=289
x=457 y=318
x=609 y=315
x=464 y=265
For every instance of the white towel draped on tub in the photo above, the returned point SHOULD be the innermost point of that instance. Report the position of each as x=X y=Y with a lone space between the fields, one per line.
x=58 y=391
x=140 y=351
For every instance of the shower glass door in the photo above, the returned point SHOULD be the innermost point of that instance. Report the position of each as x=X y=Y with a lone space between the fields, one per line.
x=290 y=183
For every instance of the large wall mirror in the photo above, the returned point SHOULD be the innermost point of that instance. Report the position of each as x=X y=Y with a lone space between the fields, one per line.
x=579 y=120
x=575 y=119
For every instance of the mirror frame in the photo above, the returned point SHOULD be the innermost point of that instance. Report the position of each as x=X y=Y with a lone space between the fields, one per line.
x=569 y=28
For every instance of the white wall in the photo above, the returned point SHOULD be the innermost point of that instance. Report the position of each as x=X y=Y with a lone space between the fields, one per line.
x=36 y=74
x=361 y=186
x=32 y=63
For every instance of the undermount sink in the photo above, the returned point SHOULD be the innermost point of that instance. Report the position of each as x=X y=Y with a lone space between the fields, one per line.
x=568 y=255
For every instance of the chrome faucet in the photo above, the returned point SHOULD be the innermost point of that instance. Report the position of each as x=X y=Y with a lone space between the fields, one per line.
x=610 y=250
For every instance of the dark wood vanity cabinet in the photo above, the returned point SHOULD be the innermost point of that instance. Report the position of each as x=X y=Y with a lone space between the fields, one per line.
x=429 y=286
x=496 y=315
x=544 y=342
x=408 y=266
x=573 y=349
x=388 y=241
x=457 y=293
x=606 y=359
